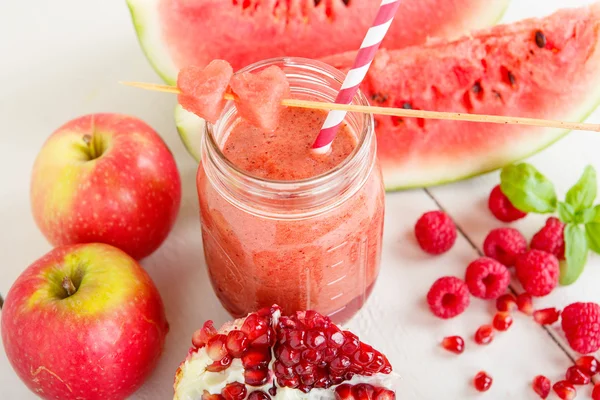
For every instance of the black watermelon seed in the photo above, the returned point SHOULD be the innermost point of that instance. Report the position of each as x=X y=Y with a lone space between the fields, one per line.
x=477 y=88
x=540 y=39
x=512 y=79
x=407 y=106
x=379 y=98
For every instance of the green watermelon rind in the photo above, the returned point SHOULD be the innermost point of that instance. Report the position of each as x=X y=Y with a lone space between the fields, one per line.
x=144 y=15
x=190 y=128
x=154 y=49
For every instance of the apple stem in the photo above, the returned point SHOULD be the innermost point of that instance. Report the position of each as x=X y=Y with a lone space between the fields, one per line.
x=68 y=285
x=94 y=150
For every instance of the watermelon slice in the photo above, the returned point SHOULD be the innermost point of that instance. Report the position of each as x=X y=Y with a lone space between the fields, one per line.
x=260 y=95
x=540 y=68
x=202 y=89
x=178 y=33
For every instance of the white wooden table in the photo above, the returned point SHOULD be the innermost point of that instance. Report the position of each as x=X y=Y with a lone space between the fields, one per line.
x=61 y=59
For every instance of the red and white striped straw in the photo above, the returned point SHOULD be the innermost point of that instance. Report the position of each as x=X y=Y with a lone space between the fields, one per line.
x=355 y=76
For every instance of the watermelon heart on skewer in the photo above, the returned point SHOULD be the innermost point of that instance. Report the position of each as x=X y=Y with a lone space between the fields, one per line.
x=177 y=33
x=541 y=68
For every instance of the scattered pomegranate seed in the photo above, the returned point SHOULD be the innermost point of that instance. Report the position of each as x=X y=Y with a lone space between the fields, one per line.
x=256 y=358
x=525 y=303
x=596 y=392
x=234 y=391
x=237 y=343
x=220 y=365
x=546 y=316
x=455 y=344
x=258 y=395
x=506 y=303
x=502 y=321
x=344 y=392
x=576 y=376
x=202 y=335
x=484 y=335
x=564 y=390
x=588 y=364
x=542 y=385
x=482 y=381
x=255 y=326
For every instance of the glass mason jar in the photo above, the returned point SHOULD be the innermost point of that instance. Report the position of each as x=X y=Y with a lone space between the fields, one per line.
x=308 y=244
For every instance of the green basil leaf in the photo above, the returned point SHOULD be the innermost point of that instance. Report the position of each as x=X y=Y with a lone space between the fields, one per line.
x=576 y=252
x=592 y=231
x=583 y=193
x=566 y=213
x=527 y=189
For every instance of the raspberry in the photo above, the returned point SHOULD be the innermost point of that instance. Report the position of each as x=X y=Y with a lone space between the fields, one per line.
x=448 y=297
x=581 y=324
x=435 y=232
x=504 y=245
x=502 y=208
x=486 y=278
x=538 y=272
x=551 y=238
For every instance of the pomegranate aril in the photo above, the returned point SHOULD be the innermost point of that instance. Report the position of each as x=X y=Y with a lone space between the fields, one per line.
x=264 y=340
x=220 y=365
x=258 y=395
x=202 y=335
x=385 y=394
x=484 y=335
x=376 y=365
x=313 y=320
x=295 y=339
x=256 y=376
x=564 y=390
x=234 y=391
x=542 y=386
x=215 y=348
x=304 y=368
x=312 y=356
x=328 y=355
x=315 y=339
x=546 y=316
x=335 y=337
x=208 y=396
x=344 y=392
x=364 y=356
x=363 y=391
x=525 y=303
x=255 y=326
x=482 y=381
x=289 y=357
x=455 y=344
x=291 y=383
x=340 y=363
x=351 y=343
x=281 y=371
x=576 y=376
x=502 y=321
x=596 y=392
x=506 y=303
x=237 y=343
x=256 y=358
x=588 y=364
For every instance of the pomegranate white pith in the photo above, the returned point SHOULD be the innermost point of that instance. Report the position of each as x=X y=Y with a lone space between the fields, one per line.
x=268 y=356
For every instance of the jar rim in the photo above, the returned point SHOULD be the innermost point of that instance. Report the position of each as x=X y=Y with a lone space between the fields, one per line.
x=359 y=98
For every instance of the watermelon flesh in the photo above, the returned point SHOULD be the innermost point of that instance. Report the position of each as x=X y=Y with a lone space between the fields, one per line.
x=259 y=96
x=541 y=68
x=178 y=33
x=202 y=89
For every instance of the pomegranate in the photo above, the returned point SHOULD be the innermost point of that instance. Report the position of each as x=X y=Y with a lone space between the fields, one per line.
x=266 y=355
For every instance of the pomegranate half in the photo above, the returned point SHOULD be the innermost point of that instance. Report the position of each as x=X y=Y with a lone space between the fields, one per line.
x=269 y=356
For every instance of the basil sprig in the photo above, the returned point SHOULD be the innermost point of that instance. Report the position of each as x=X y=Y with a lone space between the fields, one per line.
x=530 y=191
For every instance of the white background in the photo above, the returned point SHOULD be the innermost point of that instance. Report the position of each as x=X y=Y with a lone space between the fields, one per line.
x=60 y=59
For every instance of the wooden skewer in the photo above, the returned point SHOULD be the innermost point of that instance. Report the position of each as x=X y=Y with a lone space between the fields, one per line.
x=401 y=112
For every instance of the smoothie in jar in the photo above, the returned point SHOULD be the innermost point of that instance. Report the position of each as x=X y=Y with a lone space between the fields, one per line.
x=282 y=225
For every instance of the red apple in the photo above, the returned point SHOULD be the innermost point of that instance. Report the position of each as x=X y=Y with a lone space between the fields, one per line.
x=106 y=178
x=84 y=322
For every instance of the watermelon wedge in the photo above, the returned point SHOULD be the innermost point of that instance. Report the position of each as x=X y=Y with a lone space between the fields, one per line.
x=178 y=33
x=540 y=68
